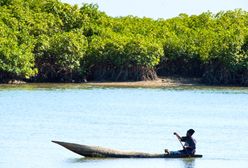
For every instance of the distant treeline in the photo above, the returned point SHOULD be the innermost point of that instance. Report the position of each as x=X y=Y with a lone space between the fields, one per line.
x=50 y=41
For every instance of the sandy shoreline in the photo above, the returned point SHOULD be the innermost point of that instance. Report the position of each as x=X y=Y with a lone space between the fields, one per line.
x=160 y=82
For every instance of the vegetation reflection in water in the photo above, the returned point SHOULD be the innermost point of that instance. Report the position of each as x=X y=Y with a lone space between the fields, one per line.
x=68 y=86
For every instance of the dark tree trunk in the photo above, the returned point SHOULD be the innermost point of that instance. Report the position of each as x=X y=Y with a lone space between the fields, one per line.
x=112 y=73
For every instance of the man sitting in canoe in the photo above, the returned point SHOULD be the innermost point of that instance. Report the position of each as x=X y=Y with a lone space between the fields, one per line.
x=189 y=144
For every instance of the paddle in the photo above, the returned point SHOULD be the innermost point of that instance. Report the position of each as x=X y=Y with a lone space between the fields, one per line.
x=179 y=139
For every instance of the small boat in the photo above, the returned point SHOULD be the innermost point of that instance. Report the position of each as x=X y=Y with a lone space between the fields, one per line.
x=100 y=152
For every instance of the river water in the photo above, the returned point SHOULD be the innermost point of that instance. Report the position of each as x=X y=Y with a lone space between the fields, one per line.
x=136 y=119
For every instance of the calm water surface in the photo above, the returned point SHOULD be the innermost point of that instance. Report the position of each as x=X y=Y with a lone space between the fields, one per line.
x=122 y=118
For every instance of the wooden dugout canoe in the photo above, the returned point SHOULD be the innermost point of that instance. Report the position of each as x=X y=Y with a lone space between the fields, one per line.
x=100 y=152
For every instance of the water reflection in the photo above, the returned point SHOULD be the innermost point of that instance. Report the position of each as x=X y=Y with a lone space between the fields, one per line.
x=183 y=163
x=88 y=159
x=188 y=163
x=77 y=160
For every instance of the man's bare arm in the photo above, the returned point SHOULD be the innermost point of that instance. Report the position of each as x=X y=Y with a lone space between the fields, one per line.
x=177 y=135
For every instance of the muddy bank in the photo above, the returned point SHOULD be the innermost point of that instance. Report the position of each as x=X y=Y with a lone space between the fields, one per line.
x=159 y=82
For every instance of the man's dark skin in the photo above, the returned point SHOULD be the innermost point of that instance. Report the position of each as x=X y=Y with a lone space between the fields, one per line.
x=180 y=138
x=188 y=147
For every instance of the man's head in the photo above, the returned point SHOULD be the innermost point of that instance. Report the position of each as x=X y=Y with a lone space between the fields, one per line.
x=190 y=132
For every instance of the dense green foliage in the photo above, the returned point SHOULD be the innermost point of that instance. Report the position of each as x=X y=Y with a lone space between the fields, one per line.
x=52 y=41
